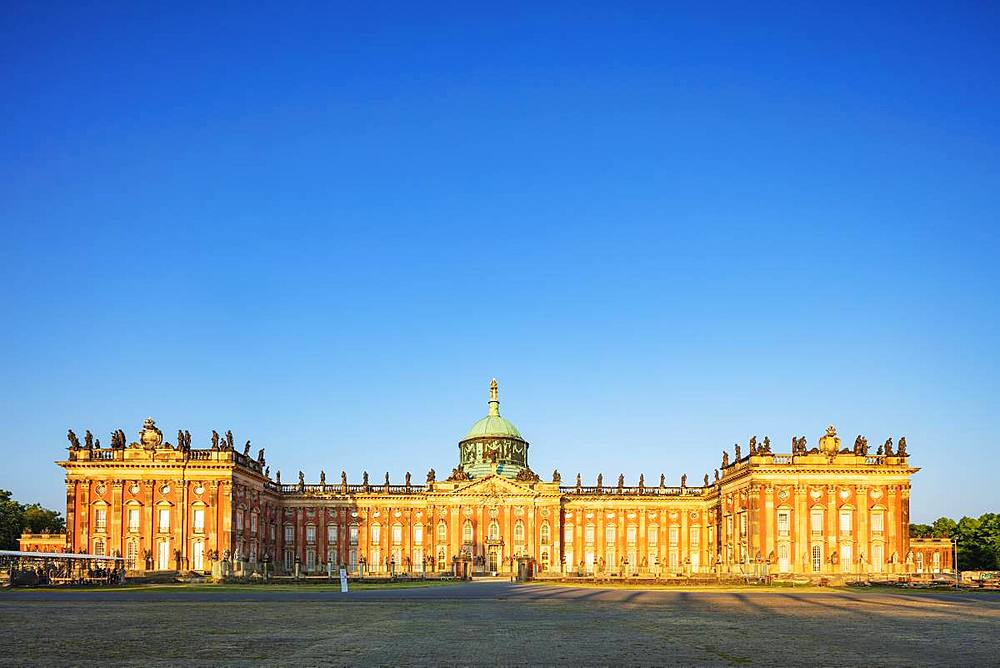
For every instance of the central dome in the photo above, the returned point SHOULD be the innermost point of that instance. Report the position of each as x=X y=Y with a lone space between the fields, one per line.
x=493 y=445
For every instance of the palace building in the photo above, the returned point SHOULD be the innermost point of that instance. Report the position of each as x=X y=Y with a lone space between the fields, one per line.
x=823 y=511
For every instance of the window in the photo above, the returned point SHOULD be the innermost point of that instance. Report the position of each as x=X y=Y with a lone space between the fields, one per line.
x=289 y=533
x=100 y=520
x=588 y=534
x=845 y=521
x=546 y=534
x=784 y=522
x=199 y=556
x=673 y=535
x=311 y=558
x=442 y=561
x=743 y=524
x=467 y=532
x=289 y=560
x=519 y=532
x=568 y=534
x=846 y=558
x=310 y=534
x=631 y=533
x=609 y=535
x=253 y=522
x=397 y=534
x=695 y=537
x=920 y=562
x=239 y=521
x=652 y=536
x=99 y=547
x=162 y=555
x=331 y=534
x=273 y=532
x=131 y=554
x=878 y=522
x=199 y=520
x=164 y=522
x=817 y=558
x=784 y=562
x=816 y=520
x=442 y=532
x=352 y=535
x=494 y=531
x=936 y=561
x=418 y=537
x=674 y=559
x=878 y=557
x=376 y=531
x=133 y=520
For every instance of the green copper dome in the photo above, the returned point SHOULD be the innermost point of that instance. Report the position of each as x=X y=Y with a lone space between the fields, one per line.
x=493 y=424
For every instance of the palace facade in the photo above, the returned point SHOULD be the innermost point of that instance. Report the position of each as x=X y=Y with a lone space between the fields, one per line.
x=816 y=511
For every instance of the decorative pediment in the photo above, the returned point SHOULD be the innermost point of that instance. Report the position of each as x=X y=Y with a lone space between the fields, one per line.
x=494 y=487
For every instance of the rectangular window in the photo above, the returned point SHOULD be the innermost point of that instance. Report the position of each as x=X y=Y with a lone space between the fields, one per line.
x=289 y=533
x=99 y=548
x=100 y=519
x=442 y=532
x=331 y=534
x=846 y=558
x=253 y=523
x=743 y=524
x=273 y=531
x=630 y=535
x=131 y=554
x=418 y=535
x=609 y=535
x=673 y=536
x=878 y=522
x=397 y=534
x=239 y=521
x=199 y=556
x=695 y=534
x=376 y=534
x=133 y=520
x=878 y=557
x=588 y=534
x=845 y=521
x=784 y=522
x=816 y=521
x=352 y=535
x=311 y=557
x=310 y=534
x=674 y=559
x=817 y=558
x=568 y=535
x=164 y=522
x=199 y=521
x=652 y=536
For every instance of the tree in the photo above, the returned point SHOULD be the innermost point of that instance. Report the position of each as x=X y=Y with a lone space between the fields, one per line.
x=15 y=518
x=920 y=531
x=11 y=519
x=943 y=527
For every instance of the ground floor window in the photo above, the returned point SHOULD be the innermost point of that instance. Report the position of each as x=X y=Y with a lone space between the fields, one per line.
x=695 y=561
x=310 y=559
x=878 y=557
x=817 y=558
x=442 y=559
x=163 y=555
x=936 y=561
x=352 y=559
x=418 y=559
x=569 y=559
x=198 y=556
x=131 y=554
x=784 y=562
x=674 y=560
x=545 y=560
x=846 y=555
x=609 y=558
x=588 y=561
x=289 y=560
x=375 y=560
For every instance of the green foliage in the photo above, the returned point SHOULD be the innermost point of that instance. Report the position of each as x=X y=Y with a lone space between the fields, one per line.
x=978 y=539
x=16 y=518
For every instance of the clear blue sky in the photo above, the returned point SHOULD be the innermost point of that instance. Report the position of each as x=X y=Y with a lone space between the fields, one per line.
x=663 y=231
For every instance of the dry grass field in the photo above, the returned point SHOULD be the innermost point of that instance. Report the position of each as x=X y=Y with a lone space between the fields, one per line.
x=496 y=623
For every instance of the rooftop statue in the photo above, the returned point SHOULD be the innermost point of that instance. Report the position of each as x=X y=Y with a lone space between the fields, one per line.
x=277 y=477
x=407 y=480
x=88 y=440
x=556 y=478
x=215 y=440
x=888 y=447
x=150 y=437
x=229 y=439
x=663 y=481
x=246 y=449
x=725 y=458
x=600 y=480
x=642 y=482
x=74 y=442
x=343 y=478
x=901 y=451
x=766 y=448
x=739 y=454
x=706 y=480
x=260 y=455
x=621 y=480
x=430 y=476
x=322 y=477
x=753 y=444
x=716 y=475
x=579 y=481
x=684 y=480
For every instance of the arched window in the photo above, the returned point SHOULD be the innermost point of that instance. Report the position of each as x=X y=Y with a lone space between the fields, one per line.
x=546 y=534
x=442 y=532
x=494 y=531
x=519 y=532
x=467 y=531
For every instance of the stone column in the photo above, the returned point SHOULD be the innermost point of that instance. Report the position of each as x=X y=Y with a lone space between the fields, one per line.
x=801 y=538
x=768 y=523
x=833 y=530
x=116 y=541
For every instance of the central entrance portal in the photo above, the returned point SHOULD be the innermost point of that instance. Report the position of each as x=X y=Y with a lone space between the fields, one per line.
x=494 y=559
